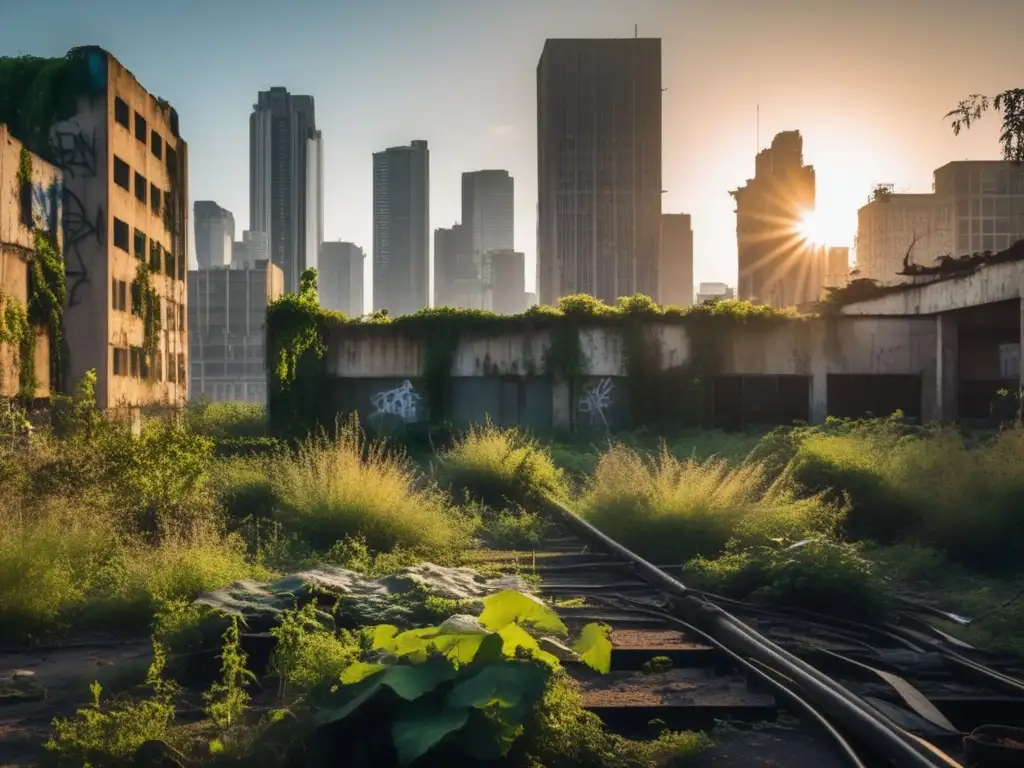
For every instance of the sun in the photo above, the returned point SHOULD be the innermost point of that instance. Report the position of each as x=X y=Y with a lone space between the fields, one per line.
x=813 y=228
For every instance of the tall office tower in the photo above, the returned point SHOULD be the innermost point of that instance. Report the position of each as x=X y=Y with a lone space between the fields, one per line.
x=675 y=276
x=599 y=167
x=314 y=198
x=488 y=214
x=284 y=177
x=448 y=247
x=507 y=270
x=215 y=234
x=340 y=277
x=253 y=247
x=777 y=265
x=401 y=229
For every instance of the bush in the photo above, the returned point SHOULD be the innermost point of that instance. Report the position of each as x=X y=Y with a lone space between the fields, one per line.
x=928 y=486
x=671 y=510
x=500 y=467
x=224 y=421
x=348 y=488
x=64 y=563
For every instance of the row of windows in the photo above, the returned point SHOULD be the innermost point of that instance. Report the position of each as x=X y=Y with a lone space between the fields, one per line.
x=122 y=177
x=134 y=362
x=122 y=116
x=160 y=259
x=119 y=293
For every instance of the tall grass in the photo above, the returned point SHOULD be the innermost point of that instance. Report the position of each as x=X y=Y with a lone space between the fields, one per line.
x=933 y=487
x=675 y=509
x=500 y=467
x=66 y=564
x=348 y=487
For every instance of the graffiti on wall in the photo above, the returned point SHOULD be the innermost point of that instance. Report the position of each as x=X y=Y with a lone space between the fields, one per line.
x=595 y=401
x=45 y=205
x=75 y=155
x=402 y=401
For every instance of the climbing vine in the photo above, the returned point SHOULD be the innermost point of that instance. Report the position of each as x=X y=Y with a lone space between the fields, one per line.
x=16 y=331
x=47 y=293
x=24 y=167
x=37 y=92
x=296 y=347
x=146 y=304
x=298 y=328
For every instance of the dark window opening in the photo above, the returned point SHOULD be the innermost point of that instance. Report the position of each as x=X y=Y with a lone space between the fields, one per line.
x=122 y=295
x=136 y=298
x=171 y=369
x=156 y=144
x=181 y=318
x=140 y=245
x=154 y=256
x=154 y=198
x=168 y=263
x=141 y=129
x=744 y=401
x=122 y=173
x=135 y=359
x=122 y=114
x=121 y=236
x=181 y=269
x=158 y=365
x=140 y=187
x=852 y=396
x=120 y=361
x=976 y=397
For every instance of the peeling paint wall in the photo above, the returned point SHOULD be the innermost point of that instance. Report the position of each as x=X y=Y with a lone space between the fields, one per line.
x=22 y=210
x=501 y=377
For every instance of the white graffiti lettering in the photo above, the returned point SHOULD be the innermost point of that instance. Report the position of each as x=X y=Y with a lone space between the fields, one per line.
x=595 y=400
x=402 y=401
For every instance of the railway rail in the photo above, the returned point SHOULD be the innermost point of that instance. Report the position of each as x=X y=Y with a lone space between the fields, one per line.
x=904 y=694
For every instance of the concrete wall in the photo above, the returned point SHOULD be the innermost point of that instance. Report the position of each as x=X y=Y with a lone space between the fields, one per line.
x=22 y=211
x=378 y=370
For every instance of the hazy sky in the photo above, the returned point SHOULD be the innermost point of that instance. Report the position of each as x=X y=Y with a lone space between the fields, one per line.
x=866 y=82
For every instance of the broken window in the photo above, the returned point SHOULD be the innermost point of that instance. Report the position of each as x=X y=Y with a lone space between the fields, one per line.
x=140 y=244
x=121 y=235
x=156 y=144
x=141 y=129
x=122 y=174
x=154 y=198
x=121 y=112
x=140 y=187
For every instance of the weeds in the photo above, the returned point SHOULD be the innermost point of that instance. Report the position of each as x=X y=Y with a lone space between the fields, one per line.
x=347 y=487
x=500 y=467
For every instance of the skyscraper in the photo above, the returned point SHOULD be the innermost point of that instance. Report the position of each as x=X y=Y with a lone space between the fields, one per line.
x=286 y=180
x=599 y=167
x=777 y=265
x=401 y=229
x=215 y=233
x=340 y=277
x=449 y=255
x=675 y=276
x=488 y=214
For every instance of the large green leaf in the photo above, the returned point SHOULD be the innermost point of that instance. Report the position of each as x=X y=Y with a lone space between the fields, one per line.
x=412 y=681
x=408 y=681
x=417 y=732
x=511 y=607
x=358 y=671
x=488 y=738
x=594 y=647
x=504 y=685
x=515 y=637
x=383 y=636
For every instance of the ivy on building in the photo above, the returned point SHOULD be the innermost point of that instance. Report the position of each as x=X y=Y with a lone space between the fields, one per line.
x=47 y=294
x=298 y=329
x=146 y=305
x=37 y=92
x=17 y=332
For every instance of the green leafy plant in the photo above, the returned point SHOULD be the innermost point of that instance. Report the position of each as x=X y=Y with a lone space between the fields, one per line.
x=226 y=701
x=466 y=685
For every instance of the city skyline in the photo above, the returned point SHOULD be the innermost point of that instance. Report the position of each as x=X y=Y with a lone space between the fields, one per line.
x=860 y=128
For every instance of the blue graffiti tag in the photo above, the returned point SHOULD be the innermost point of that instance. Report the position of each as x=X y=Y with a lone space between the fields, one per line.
x=46 y=206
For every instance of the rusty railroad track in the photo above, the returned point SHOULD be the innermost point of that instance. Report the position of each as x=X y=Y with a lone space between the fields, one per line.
x=903 y=694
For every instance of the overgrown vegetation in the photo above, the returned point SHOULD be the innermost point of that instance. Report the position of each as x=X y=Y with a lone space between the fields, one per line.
x=298 y=331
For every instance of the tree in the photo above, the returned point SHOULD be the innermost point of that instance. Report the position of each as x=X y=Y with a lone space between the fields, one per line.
x=1012 y=105
x=308 y=287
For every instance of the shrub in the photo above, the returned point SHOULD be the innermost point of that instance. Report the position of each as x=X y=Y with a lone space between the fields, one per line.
x=347 y=488
x=500 y=466
x=671 y=510
x=63 y=562
x=222 y=421
x=929 y=486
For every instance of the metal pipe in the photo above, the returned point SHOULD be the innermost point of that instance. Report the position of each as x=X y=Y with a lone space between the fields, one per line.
x=833 y=698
